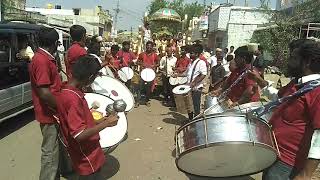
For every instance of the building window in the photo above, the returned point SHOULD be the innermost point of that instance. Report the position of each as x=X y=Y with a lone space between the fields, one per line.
x=219 y=42
x=76 y=12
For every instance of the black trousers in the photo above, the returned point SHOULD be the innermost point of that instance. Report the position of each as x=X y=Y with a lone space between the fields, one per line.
x=144 y=87
x=167 y=88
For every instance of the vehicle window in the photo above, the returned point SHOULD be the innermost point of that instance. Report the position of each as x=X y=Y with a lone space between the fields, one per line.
x=5 y=47
x=13 y=71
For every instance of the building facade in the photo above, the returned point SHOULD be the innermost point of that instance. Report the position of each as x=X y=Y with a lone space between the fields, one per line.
x=234 y=25
x=96 y=21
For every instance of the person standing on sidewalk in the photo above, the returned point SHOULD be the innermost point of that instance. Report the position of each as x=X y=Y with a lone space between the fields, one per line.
x=45 y=80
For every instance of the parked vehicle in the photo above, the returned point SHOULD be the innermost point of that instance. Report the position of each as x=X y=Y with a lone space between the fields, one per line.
x=15 y=88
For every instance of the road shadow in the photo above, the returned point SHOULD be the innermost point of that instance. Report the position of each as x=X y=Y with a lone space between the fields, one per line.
x=15 y=123
x=193 y=177
x=111 y=167
x=177 y=119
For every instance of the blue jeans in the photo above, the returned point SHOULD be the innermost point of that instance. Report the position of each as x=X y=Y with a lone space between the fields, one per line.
x=279 y=171
x=196 y=98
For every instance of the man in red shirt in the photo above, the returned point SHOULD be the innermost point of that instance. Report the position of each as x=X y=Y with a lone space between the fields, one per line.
x=245 y=90
x=78 y=128
x=296 y=123
x=45 y=80
x=126 y=58
x=183 y=62
x=148 y=59
x=78 y=35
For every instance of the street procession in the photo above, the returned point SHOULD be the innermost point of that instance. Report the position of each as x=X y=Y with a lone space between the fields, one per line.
x=160 y=89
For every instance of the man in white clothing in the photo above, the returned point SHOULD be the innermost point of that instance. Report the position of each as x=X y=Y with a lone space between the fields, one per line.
x=167 y=64
x=196 y=74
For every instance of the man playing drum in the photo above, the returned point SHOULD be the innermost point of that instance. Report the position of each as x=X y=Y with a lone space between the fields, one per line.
x=79 y=132
x=196 y=73
x=245 y=90
x=126 y=58
x=148 y=59
x=183 y=61
x=296 y=123
x=167 y=64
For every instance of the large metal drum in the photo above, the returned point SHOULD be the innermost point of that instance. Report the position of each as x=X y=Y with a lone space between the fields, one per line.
x=245 y=108
x=212 y=105
x=225 y=145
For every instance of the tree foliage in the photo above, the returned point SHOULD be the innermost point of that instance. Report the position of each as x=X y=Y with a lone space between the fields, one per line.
x=284 y=27
x=182 y=8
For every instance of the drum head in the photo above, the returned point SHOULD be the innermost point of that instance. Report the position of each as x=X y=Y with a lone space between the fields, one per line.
x=128 y=72
x=183 y=80
x=181 y=89
x=148 y=75
x=227 y=160
x=173 y=81
x=110 y=136
x=114 y=89
x=122 y=76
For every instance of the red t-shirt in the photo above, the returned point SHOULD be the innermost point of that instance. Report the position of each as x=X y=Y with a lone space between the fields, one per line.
x=87 y=156
x=127 y=57
x=73 y=54
x=182 y=64
x=237 y=90
x=43 y=72
x=201 y=57
x=148 y=60
x=294 y=122
x=116 y=62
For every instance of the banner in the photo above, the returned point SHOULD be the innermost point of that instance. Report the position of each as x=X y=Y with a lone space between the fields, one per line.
x=203 y=23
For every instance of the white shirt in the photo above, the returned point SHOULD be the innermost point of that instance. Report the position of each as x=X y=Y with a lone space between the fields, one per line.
x=167 y=64
x=201 y=68
x=212 y=61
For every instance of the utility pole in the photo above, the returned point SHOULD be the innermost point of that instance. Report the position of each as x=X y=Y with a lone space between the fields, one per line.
x=204 y=3
x=131 y=33
x=117 y=10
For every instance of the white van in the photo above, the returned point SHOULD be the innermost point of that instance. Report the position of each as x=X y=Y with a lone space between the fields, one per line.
x=15 y=88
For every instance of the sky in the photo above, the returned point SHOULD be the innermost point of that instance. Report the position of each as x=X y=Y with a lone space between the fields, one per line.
x=131 y=11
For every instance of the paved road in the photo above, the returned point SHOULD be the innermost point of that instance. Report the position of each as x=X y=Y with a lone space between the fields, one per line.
x=151 y=158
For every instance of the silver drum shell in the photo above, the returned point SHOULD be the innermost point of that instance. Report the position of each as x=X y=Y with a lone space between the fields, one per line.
x=225 y=145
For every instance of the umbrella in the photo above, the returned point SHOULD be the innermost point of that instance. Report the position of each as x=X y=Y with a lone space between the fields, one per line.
x=166 y=15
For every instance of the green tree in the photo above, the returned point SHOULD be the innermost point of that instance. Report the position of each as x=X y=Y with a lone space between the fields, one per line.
x=285 y=27
x=155 y=5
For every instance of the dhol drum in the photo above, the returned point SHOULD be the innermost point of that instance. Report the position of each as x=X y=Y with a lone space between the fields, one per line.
x=114 y=89
x=225 y=145
x=178 y=80
x=125 y=74
x=110 y=137
x=106 y=71
x=148 y=74
x=183 y=99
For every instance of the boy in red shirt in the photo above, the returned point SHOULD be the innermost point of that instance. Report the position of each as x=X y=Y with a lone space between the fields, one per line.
x=148 y=59
x=78 y=35
x=45 y=80
x=79 y=131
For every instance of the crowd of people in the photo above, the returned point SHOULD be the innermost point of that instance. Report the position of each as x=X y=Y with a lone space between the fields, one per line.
x=61 y=109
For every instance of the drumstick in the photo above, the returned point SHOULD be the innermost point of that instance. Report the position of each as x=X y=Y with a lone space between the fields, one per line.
x=95 y=105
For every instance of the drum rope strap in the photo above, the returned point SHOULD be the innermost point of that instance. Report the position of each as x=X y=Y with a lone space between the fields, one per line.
x=223 y=95
x=226 y=92
x=270 y=106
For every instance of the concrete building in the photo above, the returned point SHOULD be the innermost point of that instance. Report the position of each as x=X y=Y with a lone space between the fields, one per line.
x=234 y=25
x=96 y=21
x=14 y=10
